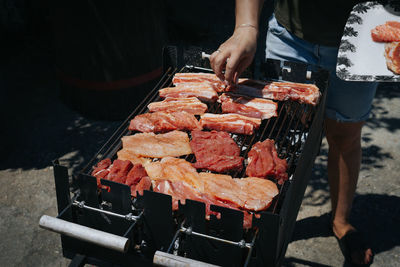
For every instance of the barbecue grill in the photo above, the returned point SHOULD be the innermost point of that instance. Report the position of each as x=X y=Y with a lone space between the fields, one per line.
x=111 y=228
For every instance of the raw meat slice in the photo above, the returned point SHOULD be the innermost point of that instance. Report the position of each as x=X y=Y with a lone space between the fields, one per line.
x=144 y=184
x=215 y=151
x=173 y=144
x=208 y=78
x=223 y=188
x=101 y=170
x=123 y=171
x=234 y=123
x=263 y=161
x=119 y=170
x=281 y=91
x=174 y=169
x=251 y=107
x=164 y=121
x=125 y=154
x=180 y=191
x=249 y=193
x=392 y=55
x=220 y=163
x=138 y=180
x=135 y=174
x=203 y=91
x=257 y=193
x=388 y=32
x=191 y=105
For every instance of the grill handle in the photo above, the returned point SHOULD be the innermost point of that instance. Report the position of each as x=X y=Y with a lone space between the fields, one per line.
x=84 y=233
x=170 y=260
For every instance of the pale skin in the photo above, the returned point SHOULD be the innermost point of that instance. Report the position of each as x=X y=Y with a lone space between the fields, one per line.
x=344 y=139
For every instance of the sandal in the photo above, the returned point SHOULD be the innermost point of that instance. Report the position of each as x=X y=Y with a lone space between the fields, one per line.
x=353 y=241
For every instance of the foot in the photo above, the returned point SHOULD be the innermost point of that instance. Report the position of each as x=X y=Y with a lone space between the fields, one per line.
x=357 y=256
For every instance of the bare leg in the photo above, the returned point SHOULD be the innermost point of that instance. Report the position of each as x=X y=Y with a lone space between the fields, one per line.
x=344 y=159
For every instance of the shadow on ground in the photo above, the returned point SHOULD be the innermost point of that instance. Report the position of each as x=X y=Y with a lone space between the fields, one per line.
x=378 y=216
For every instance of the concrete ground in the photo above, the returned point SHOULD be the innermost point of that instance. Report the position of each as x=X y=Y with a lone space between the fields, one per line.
x=39 y=128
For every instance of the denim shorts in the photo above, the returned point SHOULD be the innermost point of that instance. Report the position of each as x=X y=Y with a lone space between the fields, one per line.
x=347 y=101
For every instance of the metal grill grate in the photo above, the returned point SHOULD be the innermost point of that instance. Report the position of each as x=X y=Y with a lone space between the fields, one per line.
x=289 y=130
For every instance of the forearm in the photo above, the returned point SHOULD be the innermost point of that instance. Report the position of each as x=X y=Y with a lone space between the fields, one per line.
x=248 y=13
x=236 y=54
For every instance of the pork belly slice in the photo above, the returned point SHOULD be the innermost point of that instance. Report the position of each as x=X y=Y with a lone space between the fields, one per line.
x=215 y=151
x=203 y=91
x=190 y=104
x=164 y=121
x=281 y=91
x=234 y=123
x=263 y=162
x=392 y=56
x=207 y=78
x=388 y=32
x=181 y=191
x=174 y=169
x=251 y=193
x=251 y=107
x=150 y=145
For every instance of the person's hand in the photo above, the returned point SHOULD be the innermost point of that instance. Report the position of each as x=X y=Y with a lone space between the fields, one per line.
x=235 y=55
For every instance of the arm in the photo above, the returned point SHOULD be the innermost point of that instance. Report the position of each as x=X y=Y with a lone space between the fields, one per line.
x=237 y=53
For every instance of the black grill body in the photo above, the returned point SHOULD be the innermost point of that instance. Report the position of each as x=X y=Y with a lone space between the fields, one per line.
x=297 y=131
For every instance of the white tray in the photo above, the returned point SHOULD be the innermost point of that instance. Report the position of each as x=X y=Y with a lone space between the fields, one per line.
x=359 y=57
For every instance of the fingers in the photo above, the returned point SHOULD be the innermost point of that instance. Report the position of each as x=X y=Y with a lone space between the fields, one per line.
x=218 y=62
x=241 y=66
x=222 y=60
x=231 y=68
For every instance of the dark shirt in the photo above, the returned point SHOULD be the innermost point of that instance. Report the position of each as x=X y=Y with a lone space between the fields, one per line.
x=317 y=21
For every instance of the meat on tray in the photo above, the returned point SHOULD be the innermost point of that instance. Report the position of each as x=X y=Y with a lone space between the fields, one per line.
x=209 y=78
x=392 y=55
x=190 y=104
x=203 y=91
x=234 y=123
x=388 y=32
x=150 y=145
x=281 y=91
x=263 y=162
x=215 y=151
x=252 y=107
x=180 y=191
x=249 y=193
x=164 y=121
x=124 y=172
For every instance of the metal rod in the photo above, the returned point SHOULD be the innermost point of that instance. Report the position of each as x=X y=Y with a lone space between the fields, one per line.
x=84 y=233
x=128 y=217
x=251 y=248
x=241 y=243
x=174 y=239
x=170 y=260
